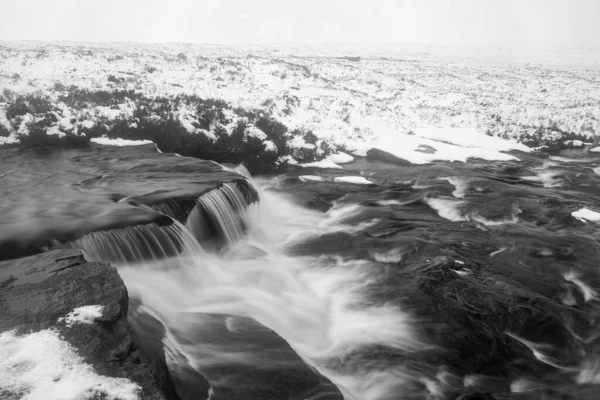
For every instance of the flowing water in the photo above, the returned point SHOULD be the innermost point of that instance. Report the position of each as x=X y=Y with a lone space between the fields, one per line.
x=435 y=281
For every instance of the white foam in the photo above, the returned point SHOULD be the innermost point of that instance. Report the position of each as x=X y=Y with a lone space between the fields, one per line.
x=585 y=214
x=357 y=180
x=83 y=315
x=105 y=141
x=586 y=290
x=388 y=203
x=319 y=305
x=390 y=256
x=41 y=366
x=447 y=208
x=500 y=250
x=461 y=185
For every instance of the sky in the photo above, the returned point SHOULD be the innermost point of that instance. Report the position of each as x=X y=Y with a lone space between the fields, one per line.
x=544 y=23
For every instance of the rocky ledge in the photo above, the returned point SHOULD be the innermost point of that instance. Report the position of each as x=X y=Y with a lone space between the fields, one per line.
x=64 y=332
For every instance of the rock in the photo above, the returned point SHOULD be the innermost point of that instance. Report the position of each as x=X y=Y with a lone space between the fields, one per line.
x=94 y=190
x=37 y=292
x=384 y=156
x=476 y=396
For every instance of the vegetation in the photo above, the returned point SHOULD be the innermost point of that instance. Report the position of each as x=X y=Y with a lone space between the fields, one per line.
x=213 y=128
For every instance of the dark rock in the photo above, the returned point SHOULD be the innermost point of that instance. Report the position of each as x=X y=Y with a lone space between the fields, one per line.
x=94 y=190
x=476 y=396
x=384 y=156
x=38 y=290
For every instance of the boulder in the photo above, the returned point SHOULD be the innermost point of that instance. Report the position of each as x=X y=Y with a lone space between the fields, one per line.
x=44 y=294
x=384 y=156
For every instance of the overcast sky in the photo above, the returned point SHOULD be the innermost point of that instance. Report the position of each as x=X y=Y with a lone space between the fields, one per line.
x=547 y=23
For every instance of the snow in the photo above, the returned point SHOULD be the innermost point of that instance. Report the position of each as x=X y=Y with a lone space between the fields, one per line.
x=586 y=214
x=120 y=142
x=269 y=145
x=8 y=140
x=340 y=158
x=298 y=142
x=357 y=180
x=255 y=132
x=445 y=144
x=311 y=178
x=42 y=366
x=449 y=100
x=83 y=315
x=470 y=138
x=574 y=143
x=55 y=130
x=321 y=164
x=595 y=149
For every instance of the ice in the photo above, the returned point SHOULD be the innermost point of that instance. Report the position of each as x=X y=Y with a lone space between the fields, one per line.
x=41 y=366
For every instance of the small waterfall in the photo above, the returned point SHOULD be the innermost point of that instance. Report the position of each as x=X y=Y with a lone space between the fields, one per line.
x=178 y=210
x=137 y=243
x=223 y=210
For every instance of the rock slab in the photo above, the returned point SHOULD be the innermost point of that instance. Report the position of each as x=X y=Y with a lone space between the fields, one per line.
x=37 y=292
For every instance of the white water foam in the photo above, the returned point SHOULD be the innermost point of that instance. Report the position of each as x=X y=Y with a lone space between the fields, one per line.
x=317 y=304
x=460 y=184
x=448 y=208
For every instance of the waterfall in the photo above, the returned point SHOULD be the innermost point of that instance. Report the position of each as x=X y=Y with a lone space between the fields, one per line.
x=223 y=210
x=137 y=243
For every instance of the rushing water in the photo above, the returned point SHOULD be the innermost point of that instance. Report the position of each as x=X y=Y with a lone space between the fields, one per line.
x=435 y=281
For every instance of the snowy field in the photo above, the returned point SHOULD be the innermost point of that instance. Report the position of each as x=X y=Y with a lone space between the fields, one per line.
x=354 y=97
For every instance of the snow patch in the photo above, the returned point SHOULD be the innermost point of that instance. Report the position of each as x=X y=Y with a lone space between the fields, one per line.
x=8 y=140
x=586 y=214
x=120 y=142
x=321 y=164
x=269 y=145
x=422 y=149
x=469 y=138
x=42 y=366
x=311 y=178
x=83 y=315
x=340 y=158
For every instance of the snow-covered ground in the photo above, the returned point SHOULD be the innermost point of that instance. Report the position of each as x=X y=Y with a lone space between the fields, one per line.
x=379 y=99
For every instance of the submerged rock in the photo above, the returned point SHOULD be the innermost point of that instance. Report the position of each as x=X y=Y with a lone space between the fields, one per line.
x=61 y=295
